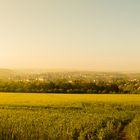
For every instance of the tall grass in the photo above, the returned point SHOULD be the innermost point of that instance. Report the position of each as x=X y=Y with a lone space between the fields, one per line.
x=69 y=117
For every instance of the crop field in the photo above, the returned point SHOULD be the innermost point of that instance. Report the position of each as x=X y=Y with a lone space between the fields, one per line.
x=69 y=116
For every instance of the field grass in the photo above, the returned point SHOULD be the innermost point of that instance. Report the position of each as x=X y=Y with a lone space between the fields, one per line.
x=69 y=116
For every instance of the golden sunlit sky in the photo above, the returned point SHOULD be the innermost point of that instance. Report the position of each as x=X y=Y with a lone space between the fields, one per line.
x=99 y=35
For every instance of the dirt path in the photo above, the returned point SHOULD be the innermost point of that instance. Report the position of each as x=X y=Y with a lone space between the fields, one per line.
x=122 y=133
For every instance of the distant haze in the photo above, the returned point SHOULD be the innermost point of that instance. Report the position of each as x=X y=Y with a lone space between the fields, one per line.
x=94 y=35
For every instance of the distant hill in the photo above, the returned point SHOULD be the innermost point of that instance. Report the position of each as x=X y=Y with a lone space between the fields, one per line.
x=6 y=73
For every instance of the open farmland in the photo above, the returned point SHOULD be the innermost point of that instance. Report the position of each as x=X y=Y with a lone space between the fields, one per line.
x=69 y=116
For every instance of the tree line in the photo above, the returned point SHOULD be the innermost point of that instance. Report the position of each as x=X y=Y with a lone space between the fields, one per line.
x=100 y=87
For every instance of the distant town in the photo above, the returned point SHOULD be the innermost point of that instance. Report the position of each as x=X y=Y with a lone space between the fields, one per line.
x=69 y=82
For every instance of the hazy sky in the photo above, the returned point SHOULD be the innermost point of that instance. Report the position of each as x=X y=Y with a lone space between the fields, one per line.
x=80 y=34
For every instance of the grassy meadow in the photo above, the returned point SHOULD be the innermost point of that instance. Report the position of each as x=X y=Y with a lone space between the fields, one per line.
x=69 y=116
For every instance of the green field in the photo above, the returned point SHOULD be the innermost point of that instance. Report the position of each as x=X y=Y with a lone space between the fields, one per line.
x=69 y=117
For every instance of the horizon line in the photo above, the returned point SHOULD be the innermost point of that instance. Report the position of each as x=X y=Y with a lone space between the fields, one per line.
x=70 y=69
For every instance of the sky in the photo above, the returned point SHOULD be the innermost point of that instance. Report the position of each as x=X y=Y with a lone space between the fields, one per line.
x=98 y=35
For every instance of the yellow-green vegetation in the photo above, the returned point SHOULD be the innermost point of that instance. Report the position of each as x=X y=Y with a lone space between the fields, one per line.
x=69 y=116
